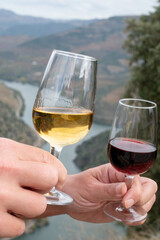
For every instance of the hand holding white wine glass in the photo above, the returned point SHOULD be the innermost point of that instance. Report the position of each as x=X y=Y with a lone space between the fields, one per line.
x=64 y=105
x=132 y=149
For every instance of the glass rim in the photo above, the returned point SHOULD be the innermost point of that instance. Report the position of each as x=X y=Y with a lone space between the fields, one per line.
x=152 y=104
x=78 y=55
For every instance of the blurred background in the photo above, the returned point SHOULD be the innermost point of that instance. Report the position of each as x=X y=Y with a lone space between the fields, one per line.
x=124 y=36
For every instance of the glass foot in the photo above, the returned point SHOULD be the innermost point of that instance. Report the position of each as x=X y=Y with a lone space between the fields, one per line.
x=116 y=211
x=55 y=197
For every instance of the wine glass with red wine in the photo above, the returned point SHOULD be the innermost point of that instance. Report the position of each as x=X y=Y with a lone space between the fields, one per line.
x=132 y=149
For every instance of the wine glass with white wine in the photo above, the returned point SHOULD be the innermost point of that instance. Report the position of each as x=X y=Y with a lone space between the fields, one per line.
x=64 y=105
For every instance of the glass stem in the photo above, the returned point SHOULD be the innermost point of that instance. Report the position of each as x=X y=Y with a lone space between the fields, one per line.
x=55 y=197
x=129 y=180
x=55 y=151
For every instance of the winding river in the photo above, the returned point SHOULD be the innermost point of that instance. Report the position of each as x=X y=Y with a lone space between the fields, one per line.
x=61 y=227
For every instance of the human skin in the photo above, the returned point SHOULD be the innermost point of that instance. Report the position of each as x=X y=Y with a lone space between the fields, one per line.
x=27 y=172
x=95 y=187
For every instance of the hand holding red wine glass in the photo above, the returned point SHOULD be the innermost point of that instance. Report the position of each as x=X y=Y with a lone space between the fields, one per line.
x=132 y=149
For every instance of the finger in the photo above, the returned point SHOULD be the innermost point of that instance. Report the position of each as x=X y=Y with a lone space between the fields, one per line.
x=149 y=188
x=11 y=226
x=38 y=176
x=135 y=223
x=112 y=191
x=32 y=154
x=147 y=206
x=134 y=193
x=114 y=175
x=26 y=203
x=25 y=152
x=107 y=174
x=41 y=176
x=45 y=157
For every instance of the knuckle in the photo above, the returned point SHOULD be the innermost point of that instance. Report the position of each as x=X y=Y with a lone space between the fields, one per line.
x=5 y=193
x=46 y=157
x=8 y=168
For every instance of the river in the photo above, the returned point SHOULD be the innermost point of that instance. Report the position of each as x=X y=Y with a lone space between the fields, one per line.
x=61 y=227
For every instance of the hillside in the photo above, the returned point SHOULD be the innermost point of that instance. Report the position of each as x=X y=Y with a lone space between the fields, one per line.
x=37 y=29
x=93 y=152
x=102 y=39
x=10 y=97
x=11 y=105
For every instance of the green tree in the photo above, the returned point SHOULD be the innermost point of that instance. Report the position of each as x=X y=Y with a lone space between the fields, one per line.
x=143 y=45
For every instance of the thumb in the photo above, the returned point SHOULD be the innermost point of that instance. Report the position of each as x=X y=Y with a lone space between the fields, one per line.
x=110 y=191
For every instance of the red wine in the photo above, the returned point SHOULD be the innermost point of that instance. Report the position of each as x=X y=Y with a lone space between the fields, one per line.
x=131 y=156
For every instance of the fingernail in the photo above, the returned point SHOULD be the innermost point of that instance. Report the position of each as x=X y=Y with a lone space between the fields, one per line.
x=119 y=188
x=129 y=203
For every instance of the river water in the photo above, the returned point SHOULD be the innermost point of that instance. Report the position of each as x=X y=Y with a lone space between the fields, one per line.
x=61 y=227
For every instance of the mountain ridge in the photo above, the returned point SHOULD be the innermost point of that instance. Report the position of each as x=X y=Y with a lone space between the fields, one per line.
x=10 y=18
x=26 y=60
x=12 y=24
x=80 y=30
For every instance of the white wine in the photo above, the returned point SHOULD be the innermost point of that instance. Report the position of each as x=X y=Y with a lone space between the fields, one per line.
x=61 y=126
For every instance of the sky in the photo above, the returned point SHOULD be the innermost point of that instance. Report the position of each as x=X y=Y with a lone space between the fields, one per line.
x=79 y=9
